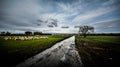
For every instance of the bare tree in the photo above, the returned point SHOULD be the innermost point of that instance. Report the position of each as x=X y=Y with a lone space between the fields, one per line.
x=85 y=29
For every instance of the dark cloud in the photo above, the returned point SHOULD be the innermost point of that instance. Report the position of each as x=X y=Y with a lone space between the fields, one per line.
x=65 y=27
x=46 y=21
x=15 y=14
x=76 y=26
x=50 y=25
x=39 y=20
x=54 y=22
x=35 y=15
x=38 y=24
x=62 y=1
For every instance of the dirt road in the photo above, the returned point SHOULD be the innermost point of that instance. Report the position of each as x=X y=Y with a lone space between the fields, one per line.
x=62 y=54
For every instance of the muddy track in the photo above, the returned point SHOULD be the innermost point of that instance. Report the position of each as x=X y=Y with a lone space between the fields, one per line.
x=62 y=54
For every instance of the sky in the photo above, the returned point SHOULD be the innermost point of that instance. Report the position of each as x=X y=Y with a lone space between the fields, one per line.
x=59 y=16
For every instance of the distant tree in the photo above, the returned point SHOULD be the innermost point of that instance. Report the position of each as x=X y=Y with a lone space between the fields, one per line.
x=3 y=33
x=37 y=33
x=28 y=33
x=8 y=33
x=85 y=29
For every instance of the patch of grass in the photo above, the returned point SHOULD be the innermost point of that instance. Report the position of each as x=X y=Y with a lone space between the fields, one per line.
x=99 y=51
x=101 y=39
x=15 y=51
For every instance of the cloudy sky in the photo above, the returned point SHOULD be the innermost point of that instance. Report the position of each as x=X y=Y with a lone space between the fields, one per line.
x=59 y=16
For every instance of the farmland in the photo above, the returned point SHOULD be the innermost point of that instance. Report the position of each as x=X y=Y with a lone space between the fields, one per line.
x=95 y=51
x=99 y=51
x=15 y=51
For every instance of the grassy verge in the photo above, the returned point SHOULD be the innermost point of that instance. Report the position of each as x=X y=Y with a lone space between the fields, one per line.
x=13 y=52
x=99 y=51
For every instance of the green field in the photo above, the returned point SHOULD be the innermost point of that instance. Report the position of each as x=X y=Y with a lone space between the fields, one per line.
x=15 y=51
x=99 y=51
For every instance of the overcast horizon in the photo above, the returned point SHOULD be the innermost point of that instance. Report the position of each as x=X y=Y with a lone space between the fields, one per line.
x=59 y=16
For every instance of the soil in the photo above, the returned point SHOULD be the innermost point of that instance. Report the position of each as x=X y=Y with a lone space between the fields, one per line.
x=97 y=56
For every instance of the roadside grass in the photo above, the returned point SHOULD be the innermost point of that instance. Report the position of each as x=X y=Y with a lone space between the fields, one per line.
x=99 y=51
x=15 y=51
x=101 y=39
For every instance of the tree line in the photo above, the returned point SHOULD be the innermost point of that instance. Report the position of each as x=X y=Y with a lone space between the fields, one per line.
x=23 y=34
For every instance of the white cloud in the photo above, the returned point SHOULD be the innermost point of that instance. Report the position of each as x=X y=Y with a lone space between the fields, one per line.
x=103 y=21
x=24 y=14
x=89 y=15
x=107 y=25
x=67 y=8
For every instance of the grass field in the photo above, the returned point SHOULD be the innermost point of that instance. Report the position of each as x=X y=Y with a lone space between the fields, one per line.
x=15 y=51
x=99 y=51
